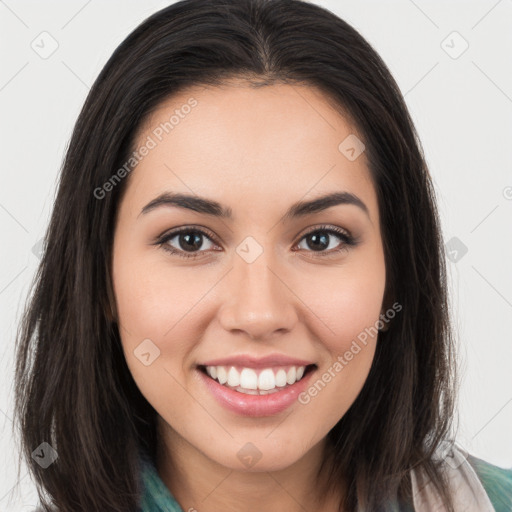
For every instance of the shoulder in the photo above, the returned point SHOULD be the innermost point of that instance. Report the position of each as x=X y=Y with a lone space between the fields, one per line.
x=496 y=481
x=474 y=484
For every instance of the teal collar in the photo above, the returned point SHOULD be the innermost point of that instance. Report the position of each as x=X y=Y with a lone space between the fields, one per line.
x=155 y=495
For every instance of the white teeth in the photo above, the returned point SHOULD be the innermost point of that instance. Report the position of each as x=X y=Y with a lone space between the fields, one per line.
x=267 y=380
x=222 y=376
x=281 y=378
x=233 y=377
x=249 y=381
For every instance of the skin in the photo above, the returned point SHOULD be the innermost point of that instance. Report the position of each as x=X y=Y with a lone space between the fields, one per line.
x=256 y=151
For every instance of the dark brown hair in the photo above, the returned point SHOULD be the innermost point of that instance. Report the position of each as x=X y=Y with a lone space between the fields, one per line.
x=73 y=387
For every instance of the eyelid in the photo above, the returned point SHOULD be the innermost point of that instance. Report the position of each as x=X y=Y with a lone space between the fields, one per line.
x=348 y=240
x=162 y=239
x=329 y=228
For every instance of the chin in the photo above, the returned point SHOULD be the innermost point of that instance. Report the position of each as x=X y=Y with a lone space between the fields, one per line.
x=256 y=457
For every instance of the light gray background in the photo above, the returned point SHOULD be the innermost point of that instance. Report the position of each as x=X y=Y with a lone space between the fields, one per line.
x=462 y=108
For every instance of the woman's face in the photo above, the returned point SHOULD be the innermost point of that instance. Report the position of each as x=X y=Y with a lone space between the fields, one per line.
x=268 y=286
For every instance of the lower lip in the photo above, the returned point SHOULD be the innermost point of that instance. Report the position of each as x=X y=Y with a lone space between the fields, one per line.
x=256 y=405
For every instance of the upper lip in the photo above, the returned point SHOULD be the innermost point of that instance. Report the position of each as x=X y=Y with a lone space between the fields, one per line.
x=249 y=361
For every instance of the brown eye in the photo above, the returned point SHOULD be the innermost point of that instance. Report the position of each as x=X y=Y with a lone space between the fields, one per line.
x=321 y=239
x=186 y=242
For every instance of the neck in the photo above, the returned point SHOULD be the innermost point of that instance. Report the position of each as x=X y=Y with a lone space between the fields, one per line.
x=200 y=484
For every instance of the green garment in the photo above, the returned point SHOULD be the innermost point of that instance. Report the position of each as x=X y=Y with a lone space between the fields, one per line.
x=155 y=495
x=496 y=481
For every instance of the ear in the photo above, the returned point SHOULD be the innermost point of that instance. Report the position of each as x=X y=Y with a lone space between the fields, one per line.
x=387 y=302
x=109 y=313
x=386 y=323
x=109 y=303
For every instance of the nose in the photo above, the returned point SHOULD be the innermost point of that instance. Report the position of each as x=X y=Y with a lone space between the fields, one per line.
x=258 y=302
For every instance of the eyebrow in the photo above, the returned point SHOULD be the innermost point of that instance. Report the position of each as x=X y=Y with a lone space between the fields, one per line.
x=215 y=209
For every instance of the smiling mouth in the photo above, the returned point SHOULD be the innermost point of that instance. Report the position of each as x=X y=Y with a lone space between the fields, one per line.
x=257 y=381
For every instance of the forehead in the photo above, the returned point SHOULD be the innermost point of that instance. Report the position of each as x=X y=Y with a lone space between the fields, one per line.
x=269 y=142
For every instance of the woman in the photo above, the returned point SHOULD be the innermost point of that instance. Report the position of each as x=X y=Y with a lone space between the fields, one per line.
x=242 y=301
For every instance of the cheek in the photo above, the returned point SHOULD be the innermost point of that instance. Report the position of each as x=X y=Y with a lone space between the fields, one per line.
x=349 y=302
x=152 y=298
x=335 y=388
x=349 y=348
x=153 y=304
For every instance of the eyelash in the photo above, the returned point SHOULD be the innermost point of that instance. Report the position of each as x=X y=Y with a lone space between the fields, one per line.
x=347 y=239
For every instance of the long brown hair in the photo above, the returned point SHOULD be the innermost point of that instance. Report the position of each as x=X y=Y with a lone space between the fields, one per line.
x=73 y=387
